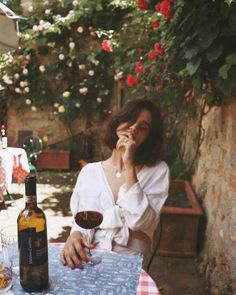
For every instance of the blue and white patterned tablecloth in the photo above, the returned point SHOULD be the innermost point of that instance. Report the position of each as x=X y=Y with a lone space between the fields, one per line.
x=116 y=274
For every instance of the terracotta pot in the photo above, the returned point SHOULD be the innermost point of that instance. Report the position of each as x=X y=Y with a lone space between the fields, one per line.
x=178 y=232
x=54 y=159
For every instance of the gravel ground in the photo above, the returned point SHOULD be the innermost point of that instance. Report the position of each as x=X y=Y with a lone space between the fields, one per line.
x=53 y=194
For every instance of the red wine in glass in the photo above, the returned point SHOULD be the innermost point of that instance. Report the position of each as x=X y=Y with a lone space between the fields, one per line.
x=90 y=220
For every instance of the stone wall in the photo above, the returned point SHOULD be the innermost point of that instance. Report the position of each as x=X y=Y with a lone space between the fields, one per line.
x=38 y=122
x=215 y=181
x=78 y=135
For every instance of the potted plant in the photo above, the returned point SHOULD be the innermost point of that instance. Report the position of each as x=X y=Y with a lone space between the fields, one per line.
x=55 y=157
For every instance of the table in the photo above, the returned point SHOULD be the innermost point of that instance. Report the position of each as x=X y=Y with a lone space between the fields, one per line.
x=13 y=161
x=64 y=281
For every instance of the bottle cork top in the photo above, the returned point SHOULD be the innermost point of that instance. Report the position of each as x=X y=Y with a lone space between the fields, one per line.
x=30 y=185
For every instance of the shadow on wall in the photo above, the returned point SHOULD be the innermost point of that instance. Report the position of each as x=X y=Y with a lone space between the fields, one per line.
x=201 y=231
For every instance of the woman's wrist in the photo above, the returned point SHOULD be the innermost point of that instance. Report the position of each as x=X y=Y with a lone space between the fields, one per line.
x=130 y=176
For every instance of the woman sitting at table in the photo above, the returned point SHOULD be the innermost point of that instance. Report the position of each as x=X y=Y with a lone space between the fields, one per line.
x=129 y=188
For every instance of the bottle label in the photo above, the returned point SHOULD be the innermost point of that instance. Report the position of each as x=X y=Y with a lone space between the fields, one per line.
x=33 y=247
x=4 y=142
x=30 y=199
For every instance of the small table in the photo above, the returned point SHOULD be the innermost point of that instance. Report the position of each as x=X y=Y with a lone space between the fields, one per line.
x=13 y=161
x=64 y=281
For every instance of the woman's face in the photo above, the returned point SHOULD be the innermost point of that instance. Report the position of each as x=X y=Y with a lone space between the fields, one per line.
x=138 y=130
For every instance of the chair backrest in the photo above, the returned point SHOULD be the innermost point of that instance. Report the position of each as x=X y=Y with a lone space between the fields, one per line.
x=33 y=146
x=156 y=243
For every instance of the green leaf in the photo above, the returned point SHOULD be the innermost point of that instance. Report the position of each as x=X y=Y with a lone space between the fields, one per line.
x=226 y=86
x=206 y=37
x=193 y=66
x=190 y=53
x=197 y=83
x=154 y=17
x=214 y=52
x=99 y=7
x=223 y=71
x=209 y=97
x=231 y=59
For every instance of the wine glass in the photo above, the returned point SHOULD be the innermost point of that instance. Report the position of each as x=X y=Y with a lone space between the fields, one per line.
x=6 y=275
x=90 y=220
x=8 y=256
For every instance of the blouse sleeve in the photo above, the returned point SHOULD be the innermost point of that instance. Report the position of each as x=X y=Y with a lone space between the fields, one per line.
x=74 y=200
x=141 y=207
x=74 y=204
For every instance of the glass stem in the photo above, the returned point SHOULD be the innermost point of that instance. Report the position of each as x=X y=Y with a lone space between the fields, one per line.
x=89 y=242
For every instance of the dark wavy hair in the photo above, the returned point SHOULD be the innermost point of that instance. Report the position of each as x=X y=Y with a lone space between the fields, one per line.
x=150 y=151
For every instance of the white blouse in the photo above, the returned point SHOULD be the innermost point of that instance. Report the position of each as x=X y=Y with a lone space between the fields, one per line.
x=137 y=209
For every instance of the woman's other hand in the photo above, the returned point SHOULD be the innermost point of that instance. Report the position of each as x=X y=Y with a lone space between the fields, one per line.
x=74 y=253
x=127 y=145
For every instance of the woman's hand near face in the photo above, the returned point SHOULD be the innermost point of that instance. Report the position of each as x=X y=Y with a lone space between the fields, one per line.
x=128 y=147
x=74 y=253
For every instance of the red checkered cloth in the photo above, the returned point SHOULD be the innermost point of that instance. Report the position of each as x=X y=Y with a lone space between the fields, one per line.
x=3 y=183
x=19 y=172
x=146 y=285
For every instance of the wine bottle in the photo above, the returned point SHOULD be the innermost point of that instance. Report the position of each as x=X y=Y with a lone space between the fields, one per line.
x=32 y=241
x=3 y=136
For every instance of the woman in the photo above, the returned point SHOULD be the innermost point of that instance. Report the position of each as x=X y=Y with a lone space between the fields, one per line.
x=129 y=188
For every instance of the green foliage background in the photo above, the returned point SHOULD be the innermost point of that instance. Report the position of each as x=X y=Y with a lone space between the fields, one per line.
x=199 y=61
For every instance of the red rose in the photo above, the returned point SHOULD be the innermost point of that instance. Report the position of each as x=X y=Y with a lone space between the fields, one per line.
x=131 y=80
x=157 y=48
x=142 y=4
x=152 y=55
x=177 y=122
x=25 y=63
x=106 y=45
x=164 y=8
x=139 y=67
x=155 y=24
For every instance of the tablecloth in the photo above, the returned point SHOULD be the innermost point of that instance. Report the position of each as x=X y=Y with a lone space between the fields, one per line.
x=13 y=162
x=64 y=281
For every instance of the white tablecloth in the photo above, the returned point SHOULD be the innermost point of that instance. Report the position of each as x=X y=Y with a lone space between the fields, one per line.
x=13 y=162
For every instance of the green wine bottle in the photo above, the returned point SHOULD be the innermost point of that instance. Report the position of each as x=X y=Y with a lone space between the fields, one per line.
x=32 y=241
